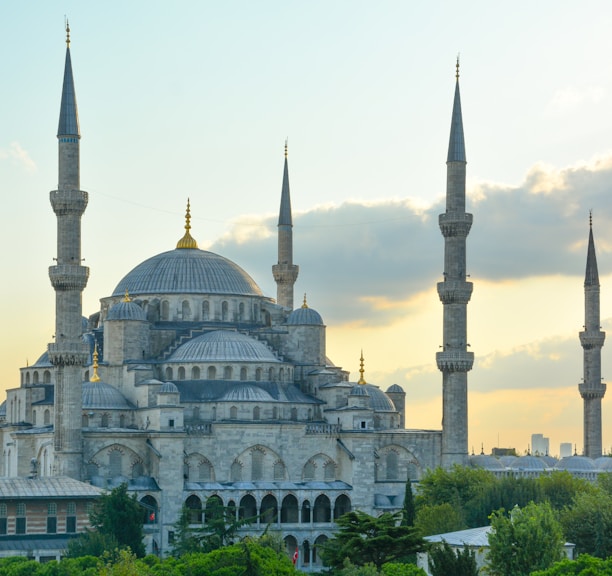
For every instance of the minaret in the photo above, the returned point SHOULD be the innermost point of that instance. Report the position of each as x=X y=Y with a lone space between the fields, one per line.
x=592 y=389
x=285 y=272
x=455 y=361
x=68 y=353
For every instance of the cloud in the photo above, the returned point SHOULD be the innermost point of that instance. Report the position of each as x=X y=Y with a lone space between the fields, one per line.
x=365 y=262
x=573 y=97
x=18 y=156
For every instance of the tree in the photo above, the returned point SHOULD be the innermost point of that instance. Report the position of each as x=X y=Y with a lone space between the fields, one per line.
x=388 y=569
x=408 y=510
x=443 y=561
x=119 y=515
x=527 y=539
x=92 y=543
x=588 y=523
x=438 y=519
x=363 y=538
x=584 y=565
x=560 y=488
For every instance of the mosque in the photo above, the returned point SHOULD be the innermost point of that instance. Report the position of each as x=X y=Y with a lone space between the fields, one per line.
x=194 y=388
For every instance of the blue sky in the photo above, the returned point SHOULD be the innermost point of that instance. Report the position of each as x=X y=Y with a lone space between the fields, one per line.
x=195 y=99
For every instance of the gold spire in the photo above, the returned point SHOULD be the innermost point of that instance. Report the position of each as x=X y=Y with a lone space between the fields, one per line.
x=187 y=241
x=67 y=33
x=305 y=304
x=457 y=68
x=94 y=376
x=127 y=298
x=361 y=371
x=286 y=146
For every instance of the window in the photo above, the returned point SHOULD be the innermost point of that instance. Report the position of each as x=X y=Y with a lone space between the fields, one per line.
x=227 y=373
x=115 y=463
x=205 y=310
x=309 y=470
x=20 y=520
x=34 y=417
x=171 y=423
x=51 y=518
x=170 y=537
x=236 y=472
x=243 y=373
x=256 y=413
x=205 y=471
x=257 y=458
x=71 y=518
x=212 y=372
x=168 y=373
x=224 y=311
x=47 y=418
x=392 y=465
x=195 y=373
x=181 y=373
x=3 y=520
x=104 y=421
x=279 y=471
x=233 y=413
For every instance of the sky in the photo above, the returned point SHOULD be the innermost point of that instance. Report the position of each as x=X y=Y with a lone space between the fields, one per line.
x=195 y=99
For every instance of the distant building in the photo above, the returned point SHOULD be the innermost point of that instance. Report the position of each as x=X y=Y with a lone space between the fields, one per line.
x=565 y=449
x=504 y=452
x=540 y=445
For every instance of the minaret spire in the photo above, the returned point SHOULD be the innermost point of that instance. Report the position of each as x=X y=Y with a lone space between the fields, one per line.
x=69 y=354
x=592 y=389
x=285 y=272
x=455 y=361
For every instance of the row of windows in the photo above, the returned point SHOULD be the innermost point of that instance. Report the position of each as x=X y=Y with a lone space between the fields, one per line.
x=36 y=379
x=21 y=519
x=190 y=311
x=228 y=373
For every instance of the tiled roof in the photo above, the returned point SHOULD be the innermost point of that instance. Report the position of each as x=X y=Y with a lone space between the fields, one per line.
x=49 y=487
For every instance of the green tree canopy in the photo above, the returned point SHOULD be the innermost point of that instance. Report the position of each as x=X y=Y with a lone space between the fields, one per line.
x=365 y=539
x=584 y=565
x=438 y=519
x=444 y=561
x=527 y=539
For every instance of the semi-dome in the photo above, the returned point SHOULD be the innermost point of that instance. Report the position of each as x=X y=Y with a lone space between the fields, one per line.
x=126 y=310
x=223 y=346
x=102 y=396
x=187 y=271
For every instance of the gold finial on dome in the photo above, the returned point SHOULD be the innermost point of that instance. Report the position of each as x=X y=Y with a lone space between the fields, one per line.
x=361 y=371
x=95 y=377
x=305 y=304
x=286 y=146
x=127 y=298
x=457 y=68
x=67 y=33
x=187 y=240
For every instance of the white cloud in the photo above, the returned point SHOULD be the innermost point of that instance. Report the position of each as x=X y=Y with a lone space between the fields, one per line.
x=18 y=156
x=573 y=97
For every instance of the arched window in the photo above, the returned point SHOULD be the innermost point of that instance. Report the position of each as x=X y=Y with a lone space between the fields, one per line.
x=115 y=464
x=205 y=310
x=233 y=413
x=194 y=505
x=27 y=377
x=269 y=509
x=104 y=421
x=236 y=471
x=35 y=377
x=224 y=311
x=248 y=508
x=212 y=372
x=258 y=374
x=257 y=461
x=168 y=373
x=294 y=413
x=243 y=373
x=271 y=374
x=47 y=418
x=309 y=470
x=275 y=413
x=149 y=512
x=204 y=471
x=47 y=377
x=165 y=311
x=195 y=373
x=392 y=465
x=227 y=373
x=279 y=471
x=341 y=506
x=281 y=374
x=84 y=420
x=214 y=509
x=319 y=543
x=289 y=509
x=181 y=373
x=34 y=417
x=256 y=413
x=121 y=420
x=137 y=470
x=322 y=509
x=329 y=471
x=240 y=311
x=186 y=310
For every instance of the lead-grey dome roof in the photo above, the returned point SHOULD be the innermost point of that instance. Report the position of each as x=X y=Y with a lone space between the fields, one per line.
x=102 y=396
x=223 y=346
x=126 y=311
x=305 y=316
x=246 y=393
x=528 y=463
x=187 y=271
x=359 y=390
x=602 y=463
x=168 y=388
x=576 y=464
x=379 y=401
x=395 y=389
x=486 y=461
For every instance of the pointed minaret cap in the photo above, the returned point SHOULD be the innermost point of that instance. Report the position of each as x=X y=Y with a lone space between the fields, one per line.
x=187 y=241
x=69 y=115
x=361 y=371
x=591 y=277
x=284 y=215
x=456 y=145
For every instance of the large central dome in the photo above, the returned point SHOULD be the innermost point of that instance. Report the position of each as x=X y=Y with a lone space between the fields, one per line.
x=187 y=271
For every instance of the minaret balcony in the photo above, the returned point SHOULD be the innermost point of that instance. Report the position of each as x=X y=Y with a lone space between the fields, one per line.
x=455 y=224
x=69 y=201
x=592 y=391
x=590 y=340
x=285 y=273
x=455 y=292
x=455 y=361
x=68 y=277
x=68 y=353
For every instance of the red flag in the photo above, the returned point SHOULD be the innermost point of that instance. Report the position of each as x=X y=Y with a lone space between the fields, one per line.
x=152 y=517
x=295 y=555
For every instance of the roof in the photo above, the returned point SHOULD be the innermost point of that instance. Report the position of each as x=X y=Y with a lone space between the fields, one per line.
x=456 y=145
x=576 y=464
x=223 y=346
x=46 y=487
x=591 y=277
x=475 y=537
x=335 y=485
x=126 y=311
x=102 y=396
x=284 y=216
x=69 y=116
x=305 y=316
x=187 y=271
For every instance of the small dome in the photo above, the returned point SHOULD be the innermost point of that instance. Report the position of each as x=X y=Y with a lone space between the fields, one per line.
x=576 y=464
x=603 y=462
x=359 y=390
x=246 y=393
x=223 y=346
x=305 y=317
x=102 y=396
x=507 y=460
x=550 y=461
x=395 y=389
x=380 y=401
x=486 y=462
x=126 y=310
x=168 y=388
x=528 y=462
